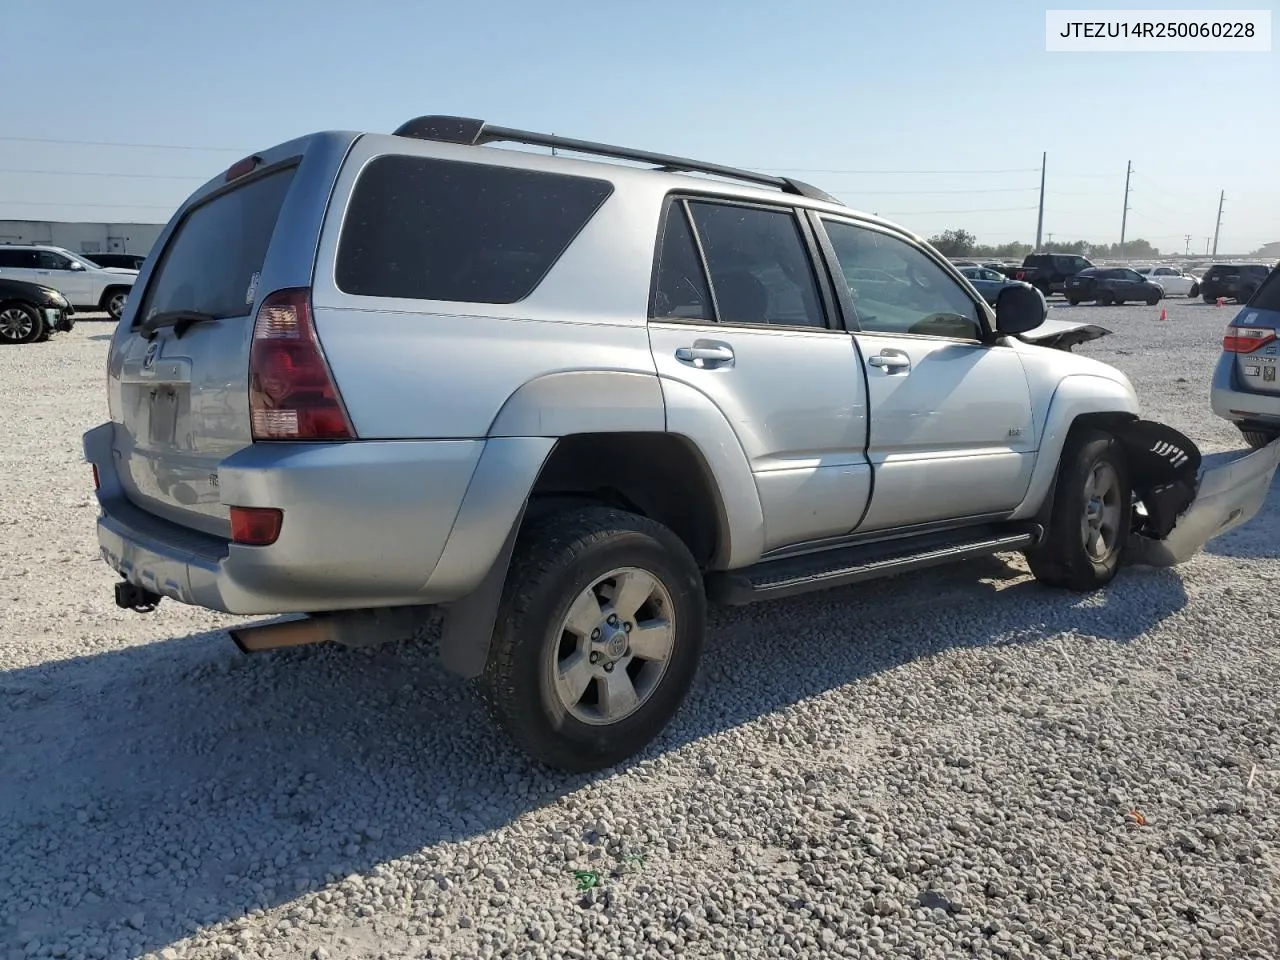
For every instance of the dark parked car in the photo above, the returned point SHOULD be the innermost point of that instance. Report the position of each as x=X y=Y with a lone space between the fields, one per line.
x=129 y=261
x=1232 y=281
x=30 y=312
x=1048 y=272
x=989 y=282
x=1109 y=285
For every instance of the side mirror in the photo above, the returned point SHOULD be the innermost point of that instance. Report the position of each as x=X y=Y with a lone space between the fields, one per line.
x=75 y=265
x=1020 y=309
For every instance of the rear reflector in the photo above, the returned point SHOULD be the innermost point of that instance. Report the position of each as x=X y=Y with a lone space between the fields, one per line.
x=255 y=526
x=1247 y=339
x=97 y=480
x=292 y=395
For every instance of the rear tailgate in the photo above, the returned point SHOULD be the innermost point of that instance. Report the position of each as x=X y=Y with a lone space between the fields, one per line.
x=1256 y=339
x=180 y=394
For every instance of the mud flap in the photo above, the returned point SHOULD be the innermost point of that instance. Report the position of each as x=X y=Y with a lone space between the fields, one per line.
x=1186 y=501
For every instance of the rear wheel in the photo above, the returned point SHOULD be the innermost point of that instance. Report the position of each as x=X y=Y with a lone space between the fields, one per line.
x=1153 y=299
x=1045 y=289
x=114 y=302
x=1073 y=301
x=20 y=323
x=1257 y=437
x=1208 y=299
x=1092 y=514
x=1103 y=299
x=597 y=640
x=1194 y=291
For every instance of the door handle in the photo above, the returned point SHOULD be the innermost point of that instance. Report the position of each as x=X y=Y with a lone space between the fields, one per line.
x=890 y=361
x=705 y=354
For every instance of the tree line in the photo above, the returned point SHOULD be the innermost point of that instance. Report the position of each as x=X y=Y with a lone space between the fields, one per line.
x=962 y=243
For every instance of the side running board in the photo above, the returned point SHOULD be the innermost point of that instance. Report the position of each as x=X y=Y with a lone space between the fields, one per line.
x=838 y=567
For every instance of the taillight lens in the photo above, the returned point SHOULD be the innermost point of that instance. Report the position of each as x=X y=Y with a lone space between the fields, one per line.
x=292 y=395
x=1247 y=339
x=256 y=526
x=241 y=167
x=97 y=479
x=1020 y=275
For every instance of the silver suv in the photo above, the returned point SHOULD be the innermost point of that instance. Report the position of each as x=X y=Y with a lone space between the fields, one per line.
x=566 y=401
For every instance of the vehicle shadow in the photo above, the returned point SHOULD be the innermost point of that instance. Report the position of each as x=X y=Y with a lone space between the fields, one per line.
x=159 y=788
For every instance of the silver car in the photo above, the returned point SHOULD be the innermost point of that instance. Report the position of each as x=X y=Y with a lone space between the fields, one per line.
x=1245 y=387
x=568 y=401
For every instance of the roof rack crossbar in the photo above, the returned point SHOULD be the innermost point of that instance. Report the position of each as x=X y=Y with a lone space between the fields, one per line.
x=466 y=130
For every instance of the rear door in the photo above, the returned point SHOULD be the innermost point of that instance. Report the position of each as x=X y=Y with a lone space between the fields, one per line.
x=180 y=401
x=759 y=341
x=18 y=265
x=952 y=435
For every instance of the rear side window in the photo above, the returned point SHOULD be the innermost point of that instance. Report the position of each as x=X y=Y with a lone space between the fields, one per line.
x=1268 y=295
x=424 y=229
x=211 y=262
x=21 y=259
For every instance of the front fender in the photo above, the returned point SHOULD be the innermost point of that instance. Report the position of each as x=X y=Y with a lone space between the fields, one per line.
x=1076 y=396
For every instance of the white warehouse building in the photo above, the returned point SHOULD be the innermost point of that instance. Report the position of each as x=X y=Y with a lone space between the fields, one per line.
x=83 y=237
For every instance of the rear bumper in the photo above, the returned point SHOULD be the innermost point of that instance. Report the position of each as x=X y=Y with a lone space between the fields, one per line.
x=366 y=524
x=1231 y=491
x=1231 y=403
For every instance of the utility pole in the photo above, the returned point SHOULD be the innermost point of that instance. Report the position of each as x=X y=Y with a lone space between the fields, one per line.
x=1124 y=214
x=1044 y=158
x=1050 y=240
x=1206 y=246
x=1188 y=239
x=1221 y=197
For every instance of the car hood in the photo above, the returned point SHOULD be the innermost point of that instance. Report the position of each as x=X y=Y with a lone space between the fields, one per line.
x=1063 y=334
x=122 y=271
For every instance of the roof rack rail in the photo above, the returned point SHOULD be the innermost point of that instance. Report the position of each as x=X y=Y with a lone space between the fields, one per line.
x=471 y=132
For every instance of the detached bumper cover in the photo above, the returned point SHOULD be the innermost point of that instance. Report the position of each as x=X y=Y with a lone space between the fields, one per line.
x=1230 y=490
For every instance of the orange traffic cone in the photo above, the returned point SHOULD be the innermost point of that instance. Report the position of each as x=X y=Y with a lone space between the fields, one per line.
x=1164 y=314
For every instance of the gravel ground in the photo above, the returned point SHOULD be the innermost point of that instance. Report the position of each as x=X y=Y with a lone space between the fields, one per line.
x=957 y=763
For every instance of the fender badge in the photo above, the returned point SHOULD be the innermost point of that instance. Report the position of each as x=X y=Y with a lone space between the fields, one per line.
x=149 y=358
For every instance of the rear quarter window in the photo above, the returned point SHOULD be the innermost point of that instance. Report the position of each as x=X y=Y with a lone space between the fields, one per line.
x=1268 y=295
x=419 y=228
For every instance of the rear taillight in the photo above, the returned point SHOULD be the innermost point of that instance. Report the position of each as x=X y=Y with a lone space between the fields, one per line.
x=241 y=167
x=97 y=479
x=256 y=526
x=292 y=395
x=1020 y=275
x=1247 y=339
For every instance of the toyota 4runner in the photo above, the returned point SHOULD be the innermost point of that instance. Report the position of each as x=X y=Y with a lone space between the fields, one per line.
x=566 y=401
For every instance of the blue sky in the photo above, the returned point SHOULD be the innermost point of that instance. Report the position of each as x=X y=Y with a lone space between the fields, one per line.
x=894 y=96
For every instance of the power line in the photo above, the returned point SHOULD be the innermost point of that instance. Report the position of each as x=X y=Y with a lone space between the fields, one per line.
x=92 y=173
x=76 y=203
x=885 y=172
x=912 y=193
x=108 y=143
x=930 y=213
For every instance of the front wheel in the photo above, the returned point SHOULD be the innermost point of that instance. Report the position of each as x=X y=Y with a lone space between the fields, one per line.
x=1194 y=291
x=1153 y=300
x=20 y=323
x=597 y=639
x=1092 y=514
x=114 y=303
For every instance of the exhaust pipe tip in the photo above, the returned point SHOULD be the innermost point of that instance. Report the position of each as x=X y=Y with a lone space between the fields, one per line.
x=257 y=638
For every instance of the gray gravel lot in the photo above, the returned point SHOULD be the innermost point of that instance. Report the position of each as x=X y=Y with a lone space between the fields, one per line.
x=957 y=763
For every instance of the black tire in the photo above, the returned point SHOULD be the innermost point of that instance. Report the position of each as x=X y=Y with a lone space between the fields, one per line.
x=1074 y=302
x=1118 y=301
x=556 y=562
x=1153 y=300
x=1103 y=299
x=1063 y=560
x=1045 y=289
x=1257 y=439
x=1194 y=291
x=1209 y=299
x=113 y=301
x=21 y=323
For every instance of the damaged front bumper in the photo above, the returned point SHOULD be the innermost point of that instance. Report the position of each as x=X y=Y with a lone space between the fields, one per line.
x=1227 y=490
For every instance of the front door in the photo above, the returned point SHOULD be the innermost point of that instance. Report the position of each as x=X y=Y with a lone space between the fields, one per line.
x=54 y=269
x=952 y=432
x=756 y=340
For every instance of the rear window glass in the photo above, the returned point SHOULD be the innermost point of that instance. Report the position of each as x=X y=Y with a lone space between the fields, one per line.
x=424 y=229
x=210 y=263
x=1268 y=295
